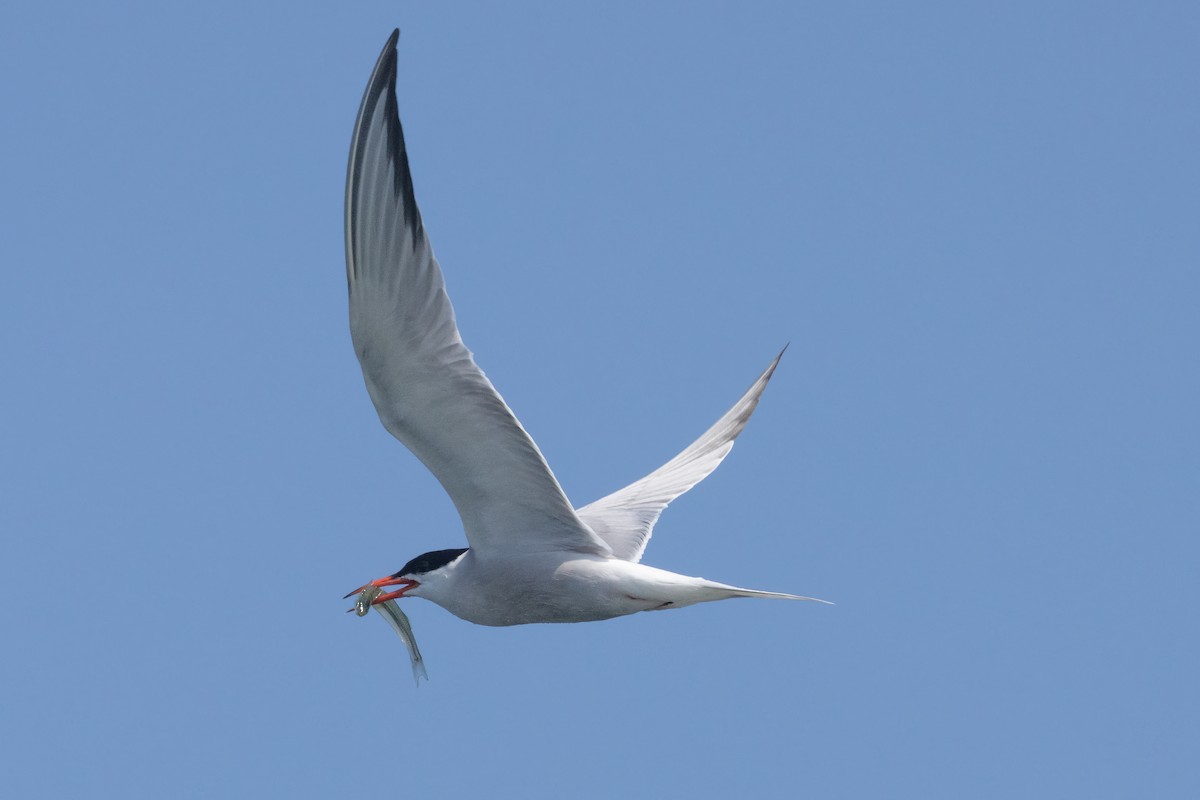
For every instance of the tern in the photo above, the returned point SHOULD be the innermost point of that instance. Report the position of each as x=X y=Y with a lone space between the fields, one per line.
x=532 y=556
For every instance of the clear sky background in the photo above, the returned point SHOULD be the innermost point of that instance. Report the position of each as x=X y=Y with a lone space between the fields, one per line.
x=978 y=224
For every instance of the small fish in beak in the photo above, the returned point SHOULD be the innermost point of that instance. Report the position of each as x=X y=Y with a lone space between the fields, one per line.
x=369 y=597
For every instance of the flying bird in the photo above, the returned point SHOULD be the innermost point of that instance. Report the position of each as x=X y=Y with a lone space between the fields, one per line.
x=533 y=557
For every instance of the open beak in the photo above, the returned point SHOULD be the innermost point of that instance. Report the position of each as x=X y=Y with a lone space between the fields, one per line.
x=404 y=583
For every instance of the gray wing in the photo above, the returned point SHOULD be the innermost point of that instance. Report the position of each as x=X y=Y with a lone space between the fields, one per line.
x=625 y=518
x=422 y=379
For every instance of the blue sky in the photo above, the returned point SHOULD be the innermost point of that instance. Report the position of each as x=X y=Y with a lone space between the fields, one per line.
x=975 y=223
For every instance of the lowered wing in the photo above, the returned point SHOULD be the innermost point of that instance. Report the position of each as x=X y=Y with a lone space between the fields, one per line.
x=421 y=377
x=625 y=518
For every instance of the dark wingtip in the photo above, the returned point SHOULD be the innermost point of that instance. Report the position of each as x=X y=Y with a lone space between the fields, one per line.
x=775 y=361
x=770 y=370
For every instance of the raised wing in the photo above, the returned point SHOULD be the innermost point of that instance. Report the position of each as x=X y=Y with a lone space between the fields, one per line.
x=625 y=518
x=422 y=379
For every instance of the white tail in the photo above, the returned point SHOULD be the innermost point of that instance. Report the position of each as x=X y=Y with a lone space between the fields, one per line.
x=736 y=592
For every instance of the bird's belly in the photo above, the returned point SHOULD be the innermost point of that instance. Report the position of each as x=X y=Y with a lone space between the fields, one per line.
x=562 y=594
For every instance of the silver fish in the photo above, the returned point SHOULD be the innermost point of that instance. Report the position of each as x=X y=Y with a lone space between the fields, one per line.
x=399 y=622
x=390 y=610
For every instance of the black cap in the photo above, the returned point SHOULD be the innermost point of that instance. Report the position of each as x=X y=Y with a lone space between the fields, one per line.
x=428 y=562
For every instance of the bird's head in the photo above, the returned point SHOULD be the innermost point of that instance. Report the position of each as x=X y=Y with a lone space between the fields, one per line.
x=411 y=575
